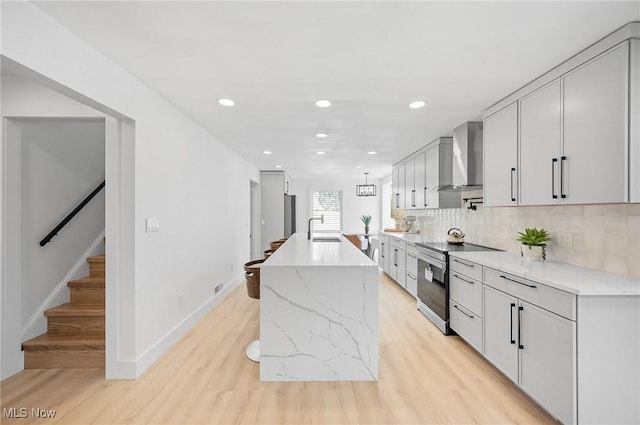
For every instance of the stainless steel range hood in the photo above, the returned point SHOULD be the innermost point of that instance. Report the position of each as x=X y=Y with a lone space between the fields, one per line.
x=467 y=157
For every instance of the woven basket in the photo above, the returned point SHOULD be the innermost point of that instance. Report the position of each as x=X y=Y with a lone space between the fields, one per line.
x=252 y=272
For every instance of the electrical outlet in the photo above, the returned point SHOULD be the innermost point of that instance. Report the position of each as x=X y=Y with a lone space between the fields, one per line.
x=565 y=240
x=153 y=224
x=218 y=288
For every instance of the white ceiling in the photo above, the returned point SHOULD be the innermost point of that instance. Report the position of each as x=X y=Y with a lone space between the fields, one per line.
x=370 y=58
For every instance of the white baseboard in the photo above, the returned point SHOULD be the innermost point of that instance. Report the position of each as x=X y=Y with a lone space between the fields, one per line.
x=156 y=351
x=37 y=323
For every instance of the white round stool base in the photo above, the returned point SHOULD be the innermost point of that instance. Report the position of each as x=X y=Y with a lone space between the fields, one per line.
x=253 y=351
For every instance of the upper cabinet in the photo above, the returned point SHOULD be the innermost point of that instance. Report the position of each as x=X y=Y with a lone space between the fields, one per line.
x=501 y=157
x=540 y=145
x=573 y=135
x=418 y=180
x=592 y=165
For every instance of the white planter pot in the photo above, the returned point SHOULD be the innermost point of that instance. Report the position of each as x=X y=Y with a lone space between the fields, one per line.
x=533 y=253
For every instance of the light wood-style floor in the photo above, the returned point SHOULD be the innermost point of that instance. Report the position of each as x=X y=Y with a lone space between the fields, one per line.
x=425 y=378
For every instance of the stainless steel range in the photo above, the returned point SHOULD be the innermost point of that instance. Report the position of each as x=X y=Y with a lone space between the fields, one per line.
x=433 y=279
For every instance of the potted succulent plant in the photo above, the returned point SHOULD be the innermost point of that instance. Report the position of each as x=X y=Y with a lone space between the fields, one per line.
x=366 y=219
x=534 y=244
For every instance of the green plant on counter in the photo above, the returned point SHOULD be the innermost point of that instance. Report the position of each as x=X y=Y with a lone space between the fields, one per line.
x=535 y=237
x=366 y=219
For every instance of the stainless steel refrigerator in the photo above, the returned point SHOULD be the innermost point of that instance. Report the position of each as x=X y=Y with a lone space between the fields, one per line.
x=289 y=215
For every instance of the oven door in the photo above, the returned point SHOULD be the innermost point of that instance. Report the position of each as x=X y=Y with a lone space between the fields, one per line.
x=433 y=291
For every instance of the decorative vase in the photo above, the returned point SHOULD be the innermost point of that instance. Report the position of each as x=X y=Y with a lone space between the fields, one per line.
x=366 y=229
x=533 y=252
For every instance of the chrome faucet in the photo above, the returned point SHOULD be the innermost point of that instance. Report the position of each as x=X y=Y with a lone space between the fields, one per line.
x=309 y=227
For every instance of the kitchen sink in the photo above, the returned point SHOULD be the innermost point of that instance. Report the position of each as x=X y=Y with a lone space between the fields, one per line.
x=327 y=239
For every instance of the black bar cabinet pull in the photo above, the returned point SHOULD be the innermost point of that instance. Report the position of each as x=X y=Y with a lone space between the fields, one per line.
x=425 y=197
x=462 y=311
x=72 y=214
x=520 y=346
x=513 y=170
x=521 y=283
x=462 y=279
x=553 y=178
x=562 y=160
x=463 y=263
x=513 y=341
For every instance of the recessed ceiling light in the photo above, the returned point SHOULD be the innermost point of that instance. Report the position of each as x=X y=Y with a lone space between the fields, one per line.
x=372 y=152
x=226 y=102
x=267 y=152
x=321 y=135
x=323 y=103
x=320 y=153
x=417 y=104
x=358 y=166
x=278 y=166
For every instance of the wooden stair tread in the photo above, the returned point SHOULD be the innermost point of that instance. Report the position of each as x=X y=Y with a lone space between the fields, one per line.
x=65 y=342
x=75 y=310
x=87 y=282
x=96 y=259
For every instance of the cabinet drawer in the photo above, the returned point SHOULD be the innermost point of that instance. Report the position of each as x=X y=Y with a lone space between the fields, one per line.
x=398 y=243
x=412 y=263
x=551 y=299
x=412 y=284
x=466 y=324
x=467 y=291
x=383 y=237
x=411 y=247
x=467 y=268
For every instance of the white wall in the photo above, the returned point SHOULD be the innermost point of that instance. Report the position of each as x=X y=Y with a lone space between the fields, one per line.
x=195 y=185
x=62 y=162
x=353 y=207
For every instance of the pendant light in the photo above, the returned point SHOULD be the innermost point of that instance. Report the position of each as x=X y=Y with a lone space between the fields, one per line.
x=365 y=189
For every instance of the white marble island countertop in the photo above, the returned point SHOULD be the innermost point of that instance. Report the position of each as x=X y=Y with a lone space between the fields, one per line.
x=300 y=251
x=318 y=312
x=577 y=280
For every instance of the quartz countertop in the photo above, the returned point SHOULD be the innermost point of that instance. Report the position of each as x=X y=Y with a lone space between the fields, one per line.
x=299 y=251
x=408 y=237
x=565 y=277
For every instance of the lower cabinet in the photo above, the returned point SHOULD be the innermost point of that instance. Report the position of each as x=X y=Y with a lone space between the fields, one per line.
x=535 y=348
x=466 y=323
x=412 y=284
x=397 y=261
x=383 y=255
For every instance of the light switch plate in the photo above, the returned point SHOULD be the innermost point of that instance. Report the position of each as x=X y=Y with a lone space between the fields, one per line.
x=153 y=224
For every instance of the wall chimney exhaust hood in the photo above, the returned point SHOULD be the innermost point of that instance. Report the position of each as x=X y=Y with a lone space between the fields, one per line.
x=467 y=157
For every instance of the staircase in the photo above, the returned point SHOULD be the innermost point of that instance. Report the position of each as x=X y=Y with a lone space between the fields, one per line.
x=75 y=331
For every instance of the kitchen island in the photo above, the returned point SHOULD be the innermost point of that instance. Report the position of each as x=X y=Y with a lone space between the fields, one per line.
x=318 y=312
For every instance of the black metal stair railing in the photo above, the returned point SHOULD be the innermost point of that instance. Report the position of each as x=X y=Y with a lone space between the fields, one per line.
x=72 y=214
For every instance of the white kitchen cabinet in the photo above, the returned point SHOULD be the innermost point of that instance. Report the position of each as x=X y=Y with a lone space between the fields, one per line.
x=398 y=185
x=534 y=347
x=540 y=145
x=500 y=336
x=395 y=187
x=412 y=284
x=547 y=360
x=595 y=100
x=402 y=184
x=439 y=172
x=501 y=157
x=383 y=255
x=420 y=181
x=397 y=263
x=410 y=184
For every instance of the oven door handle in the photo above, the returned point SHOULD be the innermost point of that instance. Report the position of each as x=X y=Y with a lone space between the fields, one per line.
x=434 y=263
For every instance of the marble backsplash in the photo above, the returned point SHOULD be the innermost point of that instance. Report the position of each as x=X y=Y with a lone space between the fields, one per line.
x=605 y=237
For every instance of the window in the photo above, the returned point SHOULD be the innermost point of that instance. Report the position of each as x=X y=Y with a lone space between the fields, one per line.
x=328 y=204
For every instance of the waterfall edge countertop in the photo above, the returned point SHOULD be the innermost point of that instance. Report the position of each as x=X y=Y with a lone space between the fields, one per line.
x=318 y=312
x=565 y=277
x=300 y=251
